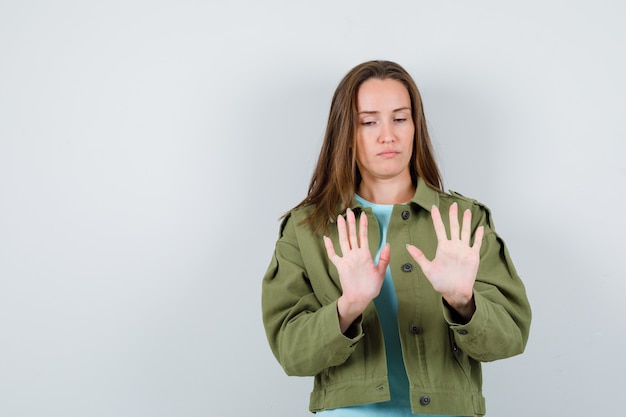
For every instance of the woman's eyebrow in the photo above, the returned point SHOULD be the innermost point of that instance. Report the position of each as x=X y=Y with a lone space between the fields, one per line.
x=376 y=111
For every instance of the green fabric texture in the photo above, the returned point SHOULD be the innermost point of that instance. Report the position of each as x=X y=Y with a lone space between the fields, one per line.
x=442 y=357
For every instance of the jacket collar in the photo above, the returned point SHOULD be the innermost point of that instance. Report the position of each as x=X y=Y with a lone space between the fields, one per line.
x=425 y=196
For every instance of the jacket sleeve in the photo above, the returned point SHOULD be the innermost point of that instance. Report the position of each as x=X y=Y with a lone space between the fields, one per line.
x=303 y=334
x=500 y=325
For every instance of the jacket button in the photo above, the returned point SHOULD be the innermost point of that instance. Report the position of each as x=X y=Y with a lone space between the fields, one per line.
x=425 y=400
x=405 y=215
x=462 y=331
x=415 y=329
x=407 y=267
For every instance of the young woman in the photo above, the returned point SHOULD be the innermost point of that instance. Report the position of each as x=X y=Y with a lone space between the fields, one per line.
x=387 y=290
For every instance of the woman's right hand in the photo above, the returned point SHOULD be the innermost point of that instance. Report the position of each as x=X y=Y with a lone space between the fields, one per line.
x=361 y=279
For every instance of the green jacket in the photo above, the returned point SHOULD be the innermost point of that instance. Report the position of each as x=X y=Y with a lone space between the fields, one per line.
x=442 y=357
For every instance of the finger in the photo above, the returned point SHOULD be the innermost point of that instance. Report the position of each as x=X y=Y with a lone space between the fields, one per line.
x=419 y=257
x=352 y=239
x=343 y=235
x=454 y=221
x=384 y=258
x=478 y=238
x=466 y=231
x=330 y=250
x=440 y=229
x=363 y=241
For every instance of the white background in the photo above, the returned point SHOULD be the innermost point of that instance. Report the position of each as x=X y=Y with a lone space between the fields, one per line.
x=147 y=149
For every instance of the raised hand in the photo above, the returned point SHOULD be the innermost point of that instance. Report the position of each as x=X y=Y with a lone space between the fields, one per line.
x=361 y=279
x=453 y=270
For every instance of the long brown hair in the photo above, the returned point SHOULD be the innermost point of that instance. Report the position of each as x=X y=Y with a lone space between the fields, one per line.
x=337 y=175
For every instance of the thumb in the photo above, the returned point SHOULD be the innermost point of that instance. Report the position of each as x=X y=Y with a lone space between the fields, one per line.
x=419 y=256
x=384 y=257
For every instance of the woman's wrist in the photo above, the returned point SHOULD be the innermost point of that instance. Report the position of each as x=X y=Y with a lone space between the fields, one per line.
x=464 y=310
x=348 y=312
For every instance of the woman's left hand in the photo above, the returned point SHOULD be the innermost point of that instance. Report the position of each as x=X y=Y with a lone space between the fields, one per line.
x=453 y=270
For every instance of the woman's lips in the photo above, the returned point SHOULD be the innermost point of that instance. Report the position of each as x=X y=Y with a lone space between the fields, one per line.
x=388 y=154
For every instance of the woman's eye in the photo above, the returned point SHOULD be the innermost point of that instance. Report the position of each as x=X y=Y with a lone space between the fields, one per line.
x=368 y=123
x=400 y=119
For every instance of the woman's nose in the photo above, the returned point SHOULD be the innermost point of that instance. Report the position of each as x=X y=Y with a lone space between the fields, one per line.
x=386 y=133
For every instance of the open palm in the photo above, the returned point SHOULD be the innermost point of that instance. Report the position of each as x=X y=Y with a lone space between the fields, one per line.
x=361 y=279
x=453 y=270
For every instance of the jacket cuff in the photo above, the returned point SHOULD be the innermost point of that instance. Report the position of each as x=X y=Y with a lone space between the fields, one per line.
x=340 y=342
x=473 y=329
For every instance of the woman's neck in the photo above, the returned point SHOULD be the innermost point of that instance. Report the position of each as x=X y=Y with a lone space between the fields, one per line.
x=386 y=192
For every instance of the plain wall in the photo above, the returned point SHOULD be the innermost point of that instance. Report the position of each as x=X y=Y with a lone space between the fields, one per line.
x=148 y=148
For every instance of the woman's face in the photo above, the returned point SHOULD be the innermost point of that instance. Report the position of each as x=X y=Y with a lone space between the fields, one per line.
x=384 y=142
